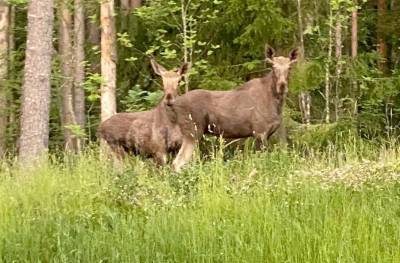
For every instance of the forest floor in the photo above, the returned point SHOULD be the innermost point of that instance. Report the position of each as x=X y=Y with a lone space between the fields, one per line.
x=339 y=204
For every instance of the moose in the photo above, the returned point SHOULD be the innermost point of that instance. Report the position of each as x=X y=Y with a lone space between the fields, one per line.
x=148 y=133
x=252 y=109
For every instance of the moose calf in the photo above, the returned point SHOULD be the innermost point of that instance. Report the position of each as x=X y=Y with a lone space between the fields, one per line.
x=149 y=133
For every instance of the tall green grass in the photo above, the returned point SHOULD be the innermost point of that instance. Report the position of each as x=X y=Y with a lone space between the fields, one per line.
x=337 y=205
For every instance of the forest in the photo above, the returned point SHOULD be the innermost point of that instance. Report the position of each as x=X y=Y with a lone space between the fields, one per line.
x=83 y=81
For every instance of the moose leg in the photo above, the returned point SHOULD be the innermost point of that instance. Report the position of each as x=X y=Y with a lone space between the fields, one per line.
x=184 y=154
x=262 y=137
x=161 y=158
x=116 y=153
x=260 y=143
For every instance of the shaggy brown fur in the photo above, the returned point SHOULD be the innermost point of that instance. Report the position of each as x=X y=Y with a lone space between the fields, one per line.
x=253 y=109
x=149 y=133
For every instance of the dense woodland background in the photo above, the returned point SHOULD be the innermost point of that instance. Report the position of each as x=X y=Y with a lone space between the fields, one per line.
x=92 y=59
x=332 y=195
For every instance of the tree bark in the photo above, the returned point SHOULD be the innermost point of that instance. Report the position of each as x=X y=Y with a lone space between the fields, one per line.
x=327 y=70
x=4 y=46
x=338 y=56
x=304 y=96
x=136 y=3
x=108 y=59
x=186 y=51
x=394 y=56
x=128 y=5
x=382 y=48
x=36 y=88
x=66 y=56
x=93 y=39
x=354 y=33
x=79 y=67
x=354 y=51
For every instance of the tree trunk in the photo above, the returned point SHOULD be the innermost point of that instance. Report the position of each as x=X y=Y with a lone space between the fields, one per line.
x=393 y=55
x=36 y=88
x=304 y=96
x=327 y=70
x=354 y=33
x=128 y=5
x=108 y=59
x=79 y=67
x=93 y=32
x=4 y=45
x=93 y=39
x=186 y=51
x=125 y=6
x=66 y=55
x=136 y=3
x=382 y=49
x=11 y=41
x=12 y=99
x=338 y=56
x=354 y=51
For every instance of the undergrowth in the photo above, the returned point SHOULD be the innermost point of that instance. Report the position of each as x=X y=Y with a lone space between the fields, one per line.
x=337 y=204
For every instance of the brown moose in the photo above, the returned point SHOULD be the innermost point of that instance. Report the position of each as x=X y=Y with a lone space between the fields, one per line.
x=148 y=133
x=253 y=109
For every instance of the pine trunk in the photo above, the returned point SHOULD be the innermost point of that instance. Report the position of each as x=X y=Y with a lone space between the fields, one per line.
x=93 y=39
x=327 y=70
x=4 y=45
x=79 y=68
x=136 y=3
x=354 y=51
x=126 y=6
x=304 y=96
x=66 y=55
x=36 y=88
x=108 y=59
x=186 y=50
x=338 y=56
x=382 y=48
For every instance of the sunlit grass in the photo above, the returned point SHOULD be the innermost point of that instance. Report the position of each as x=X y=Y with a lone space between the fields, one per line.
x=341 y=204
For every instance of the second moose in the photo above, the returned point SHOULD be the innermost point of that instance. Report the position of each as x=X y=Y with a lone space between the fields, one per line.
x=253 y=109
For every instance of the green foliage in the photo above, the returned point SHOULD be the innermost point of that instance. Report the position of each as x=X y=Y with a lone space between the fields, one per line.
x=225 y=45
x=320 y=136
x=307 y=76
x=140 y=100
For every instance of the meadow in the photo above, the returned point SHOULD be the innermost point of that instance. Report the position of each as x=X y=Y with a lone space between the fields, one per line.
x=300 y=204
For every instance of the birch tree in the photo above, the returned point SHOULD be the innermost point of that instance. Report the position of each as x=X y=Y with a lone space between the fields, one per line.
x=108 y=59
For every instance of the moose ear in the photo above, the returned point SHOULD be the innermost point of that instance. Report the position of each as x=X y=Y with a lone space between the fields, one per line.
x=294 y=54
x=269 y=53
x=158 y=69
x=184 y=69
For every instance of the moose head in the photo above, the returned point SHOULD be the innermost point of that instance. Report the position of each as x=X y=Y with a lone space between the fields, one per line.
x=170 y=79
x=281 y=67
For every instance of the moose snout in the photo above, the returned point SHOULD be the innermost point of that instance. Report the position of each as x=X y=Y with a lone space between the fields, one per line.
x=282 y=87
x=169 y=99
